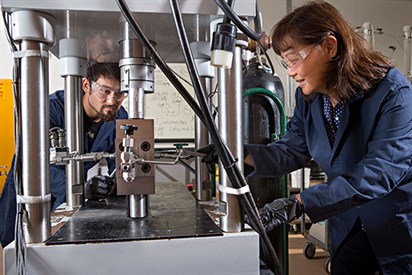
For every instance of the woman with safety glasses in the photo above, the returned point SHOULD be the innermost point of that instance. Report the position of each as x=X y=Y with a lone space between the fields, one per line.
x=353 y=116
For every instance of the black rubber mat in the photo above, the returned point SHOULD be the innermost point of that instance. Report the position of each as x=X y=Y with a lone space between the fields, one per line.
x=172 y=213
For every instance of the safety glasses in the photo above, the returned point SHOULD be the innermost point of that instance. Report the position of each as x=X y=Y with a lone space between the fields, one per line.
x=294 y=60
x=105 y=93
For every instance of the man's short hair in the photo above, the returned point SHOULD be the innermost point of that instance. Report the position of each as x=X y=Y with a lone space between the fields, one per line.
x=96 y=70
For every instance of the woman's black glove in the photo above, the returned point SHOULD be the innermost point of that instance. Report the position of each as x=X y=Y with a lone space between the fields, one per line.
x=99 y=187
x=211 y=157
x=279 y=212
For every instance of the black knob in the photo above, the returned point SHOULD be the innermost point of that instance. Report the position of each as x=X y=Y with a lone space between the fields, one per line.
x=128 y=129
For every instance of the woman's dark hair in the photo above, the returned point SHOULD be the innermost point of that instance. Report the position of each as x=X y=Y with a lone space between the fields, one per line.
x=96 y=70
x=355 y=66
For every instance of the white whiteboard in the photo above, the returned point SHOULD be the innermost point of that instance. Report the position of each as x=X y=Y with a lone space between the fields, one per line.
x=173 y=117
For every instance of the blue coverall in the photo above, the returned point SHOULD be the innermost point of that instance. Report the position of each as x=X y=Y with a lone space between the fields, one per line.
x=369 y=168
x=104 y=142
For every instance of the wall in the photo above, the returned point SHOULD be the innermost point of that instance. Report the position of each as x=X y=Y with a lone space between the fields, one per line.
x=390 y=15
x=6 y=128
x=6 y=109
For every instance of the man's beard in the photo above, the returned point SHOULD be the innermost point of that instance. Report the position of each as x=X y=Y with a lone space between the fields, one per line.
x=110 y=115
x=101 y=116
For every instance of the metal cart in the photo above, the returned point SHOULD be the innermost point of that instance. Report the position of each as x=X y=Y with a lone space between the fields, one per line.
x=317 y=235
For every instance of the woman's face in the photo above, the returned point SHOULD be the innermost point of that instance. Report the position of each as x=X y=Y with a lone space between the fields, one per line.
x=308 y=65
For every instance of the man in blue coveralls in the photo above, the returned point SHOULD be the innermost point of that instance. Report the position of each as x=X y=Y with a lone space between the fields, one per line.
x=102 y=101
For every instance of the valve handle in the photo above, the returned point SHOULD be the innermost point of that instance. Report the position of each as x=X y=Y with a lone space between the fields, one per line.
x=128 y=128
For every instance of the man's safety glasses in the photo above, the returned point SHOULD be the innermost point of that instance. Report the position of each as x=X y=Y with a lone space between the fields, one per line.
x=104 y=92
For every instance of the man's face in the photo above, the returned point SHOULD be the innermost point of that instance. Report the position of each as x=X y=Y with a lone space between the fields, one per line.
x=102 y=98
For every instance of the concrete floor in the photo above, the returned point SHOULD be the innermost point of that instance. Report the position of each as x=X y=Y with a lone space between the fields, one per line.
x=299 y=264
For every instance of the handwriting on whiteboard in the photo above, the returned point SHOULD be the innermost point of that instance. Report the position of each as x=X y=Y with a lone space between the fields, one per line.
x=174 y=119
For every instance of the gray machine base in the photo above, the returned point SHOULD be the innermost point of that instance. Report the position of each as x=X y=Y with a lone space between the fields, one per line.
x=234 y=253
x=177 y=237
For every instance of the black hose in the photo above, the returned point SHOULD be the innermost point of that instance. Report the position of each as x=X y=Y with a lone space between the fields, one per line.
x=228 y=161
x=209 y=123
x=231 y=4
x=158 y=59
x=272 y=69
x=258 y=20
x=233 y=172
x=238 y=22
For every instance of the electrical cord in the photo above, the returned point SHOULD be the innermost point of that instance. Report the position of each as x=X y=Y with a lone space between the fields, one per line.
x=237 y=21
x=181 y=77
x=272 y=68
x=21 y=216
x=231 y=4
x=258 y=19
x=228 y=161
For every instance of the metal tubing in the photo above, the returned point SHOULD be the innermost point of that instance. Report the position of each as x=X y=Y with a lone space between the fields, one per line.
x=137 y=78
x=35 y=123
x=73 y=113
x=72 y=24
x=231 y=127
x=137 y=206
x=136 y=103
x=137 y=203
x=202 y=176
x=72 y=62
x=203 y=182
x=369 y=35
